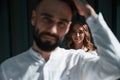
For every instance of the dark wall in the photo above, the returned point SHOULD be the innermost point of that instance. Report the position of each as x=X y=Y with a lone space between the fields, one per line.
x=4 y=31
x=118 y=20
x=16 y=30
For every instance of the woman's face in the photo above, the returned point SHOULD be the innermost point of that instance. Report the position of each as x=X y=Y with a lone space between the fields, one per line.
x=78 y=34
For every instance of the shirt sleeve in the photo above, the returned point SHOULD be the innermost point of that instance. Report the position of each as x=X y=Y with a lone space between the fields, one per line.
x=107 y=66
x=1 y=74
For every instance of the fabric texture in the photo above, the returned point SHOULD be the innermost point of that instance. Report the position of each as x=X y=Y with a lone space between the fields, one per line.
x=69 y=64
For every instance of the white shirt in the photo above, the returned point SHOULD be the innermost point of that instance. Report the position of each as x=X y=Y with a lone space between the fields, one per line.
x=92 y=52
x=69 y=64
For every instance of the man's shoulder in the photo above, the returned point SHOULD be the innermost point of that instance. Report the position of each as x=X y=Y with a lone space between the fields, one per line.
x=15 y=59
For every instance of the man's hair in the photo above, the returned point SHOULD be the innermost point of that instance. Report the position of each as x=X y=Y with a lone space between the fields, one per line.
x=70 y=3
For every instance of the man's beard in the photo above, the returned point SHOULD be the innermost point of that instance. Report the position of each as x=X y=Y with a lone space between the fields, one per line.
x=45 y=45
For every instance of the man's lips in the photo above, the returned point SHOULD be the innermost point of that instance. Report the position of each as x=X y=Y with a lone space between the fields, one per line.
x=48 y=37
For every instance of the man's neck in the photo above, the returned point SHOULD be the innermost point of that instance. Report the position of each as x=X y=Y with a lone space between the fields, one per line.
x=44 y=54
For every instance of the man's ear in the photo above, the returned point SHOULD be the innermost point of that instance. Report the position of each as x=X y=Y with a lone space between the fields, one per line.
x=33 y=18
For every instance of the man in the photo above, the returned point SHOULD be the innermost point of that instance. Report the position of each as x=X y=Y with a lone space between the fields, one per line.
x=46 y=61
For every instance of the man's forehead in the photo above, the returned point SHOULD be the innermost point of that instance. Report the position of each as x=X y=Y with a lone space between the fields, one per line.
x=56 y=8
x=55 y=18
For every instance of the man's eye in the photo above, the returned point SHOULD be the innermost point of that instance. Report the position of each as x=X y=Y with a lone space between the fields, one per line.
x=47 y=20
x=62 y=24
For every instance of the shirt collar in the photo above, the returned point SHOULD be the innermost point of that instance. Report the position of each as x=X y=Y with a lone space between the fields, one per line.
x=36 y=55
x=55 y=53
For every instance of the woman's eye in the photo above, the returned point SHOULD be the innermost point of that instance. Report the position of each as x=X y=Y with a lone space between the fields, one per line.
x=81 y=32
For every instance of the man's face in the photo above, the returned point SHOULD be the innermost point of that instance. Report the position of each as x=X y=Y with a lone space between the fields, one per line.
x=51 y=22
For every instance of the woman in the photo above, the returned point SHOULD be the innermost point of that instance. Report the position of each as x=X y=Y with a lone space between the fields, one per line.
x=79 y=37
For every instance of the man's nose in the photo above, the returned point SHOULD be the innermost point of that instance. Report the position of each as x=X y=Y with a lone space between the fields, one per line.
x=53 y=28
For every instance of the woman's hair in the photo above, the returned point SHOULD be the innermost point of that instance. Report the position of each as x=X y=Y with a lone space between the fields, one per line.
x=87 y=38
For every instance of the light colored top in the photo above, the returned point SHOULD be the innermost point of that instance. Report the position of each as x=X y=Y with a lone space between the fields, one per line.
x=69 y=64
x=92 y=52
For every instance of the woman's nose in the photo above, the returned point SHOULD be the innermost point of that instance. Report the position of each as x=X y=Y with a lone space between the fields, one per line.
x=77 y=34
